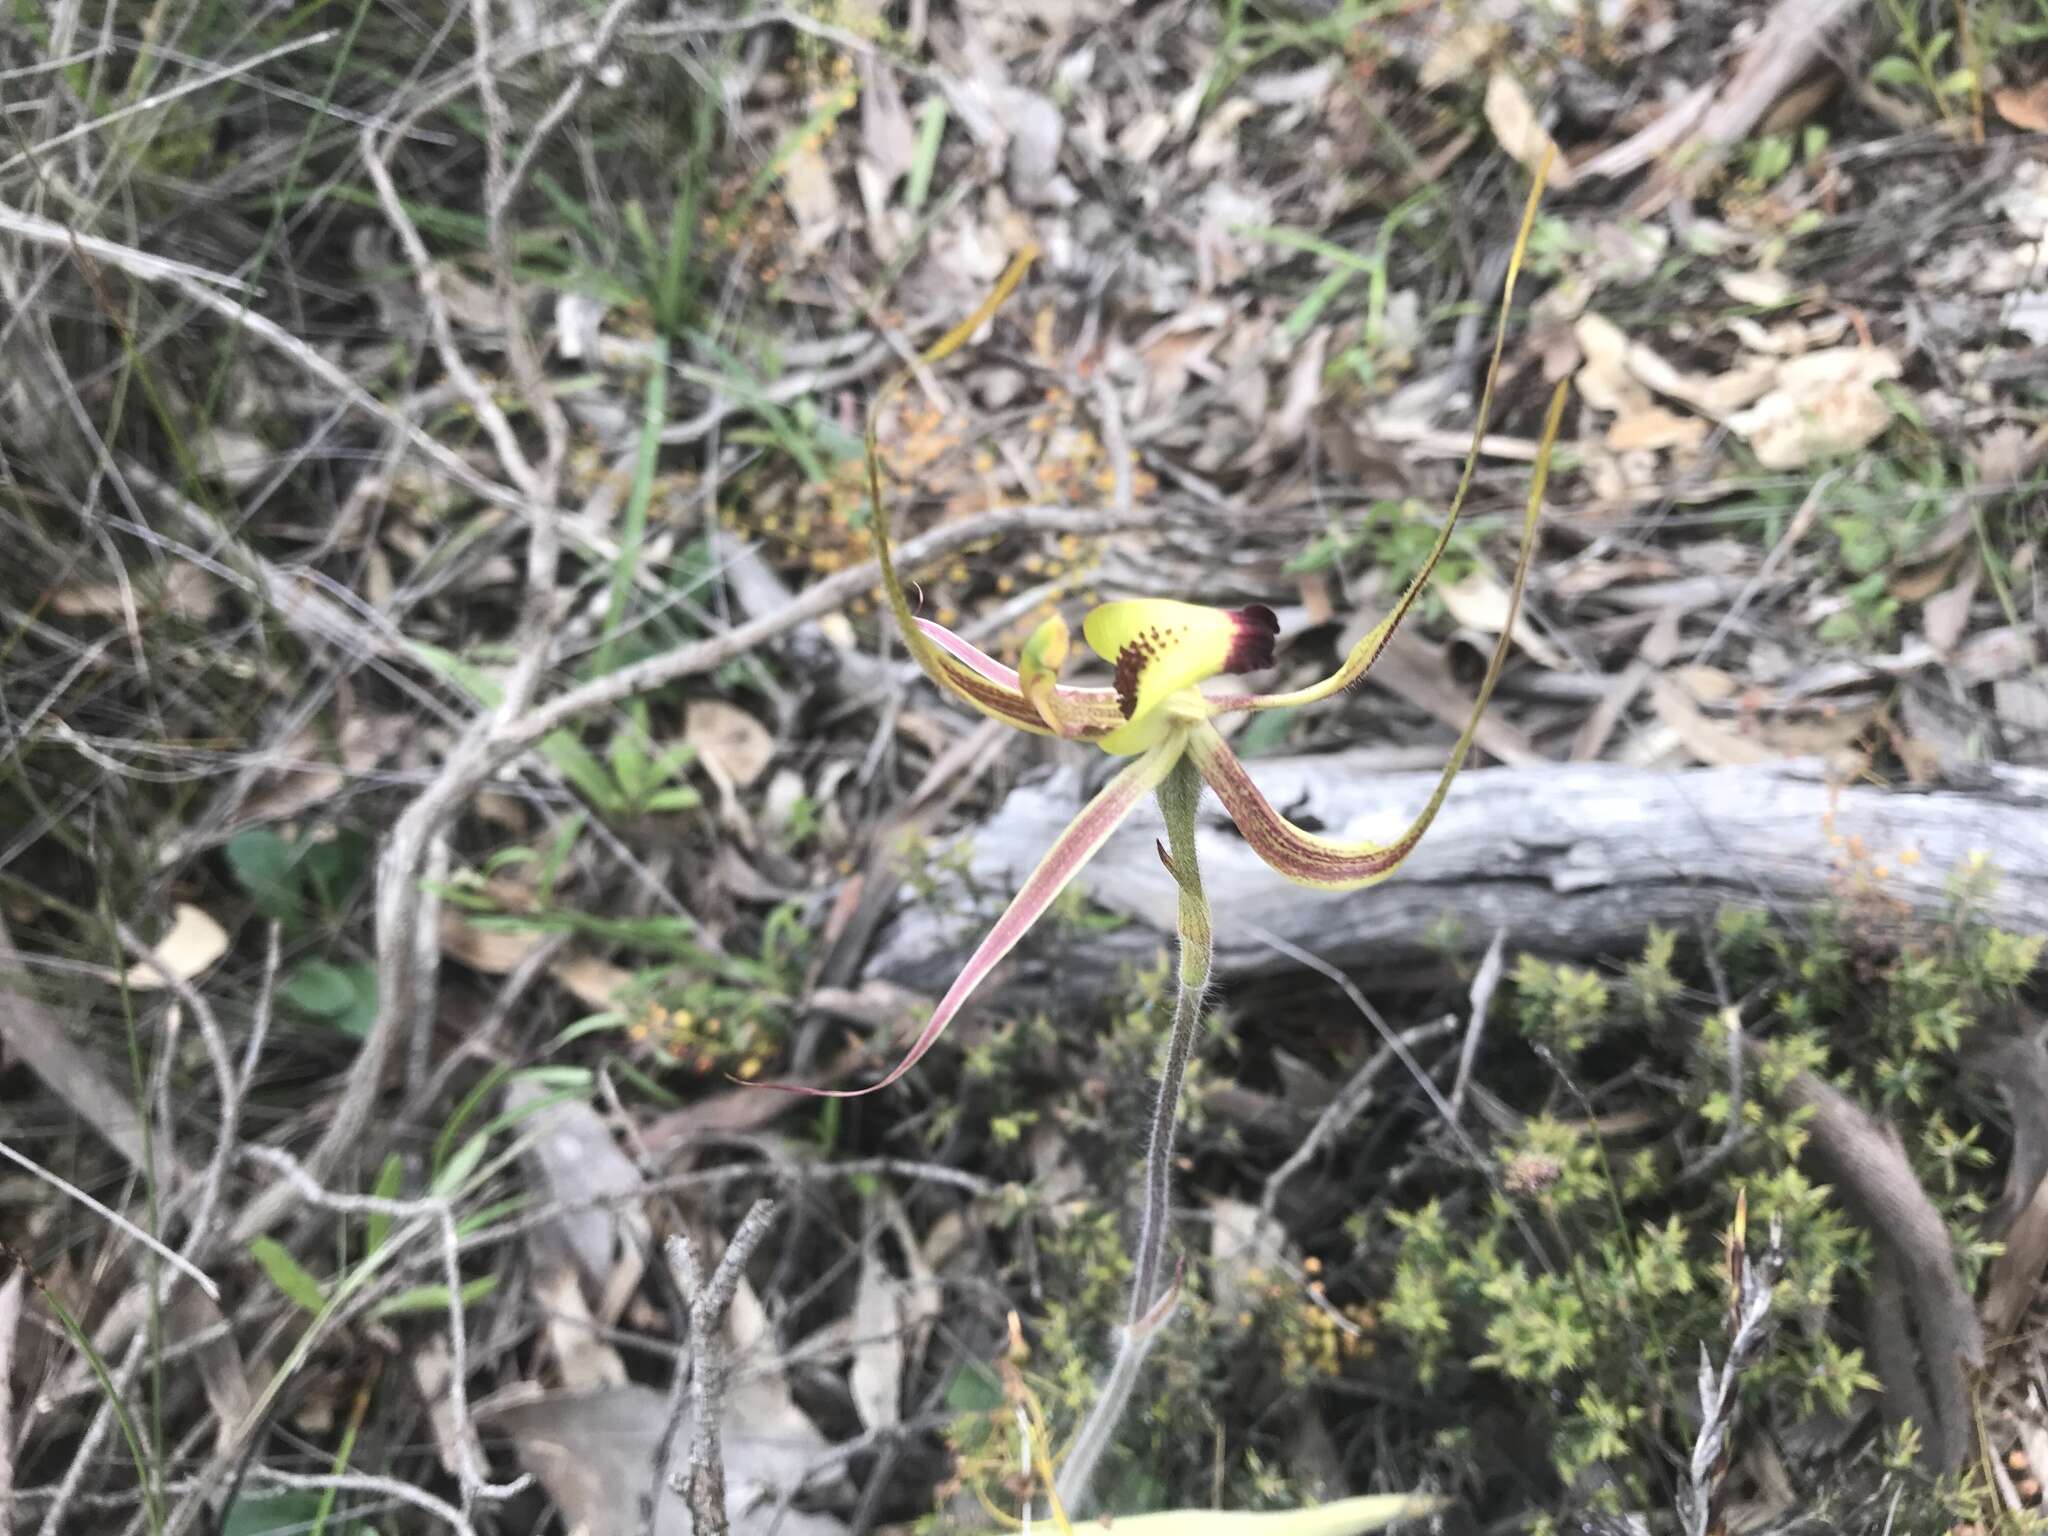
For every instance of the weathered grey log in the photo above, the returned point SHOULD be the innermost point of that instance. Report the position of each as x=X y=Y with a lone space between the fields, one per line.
x=1569 y=859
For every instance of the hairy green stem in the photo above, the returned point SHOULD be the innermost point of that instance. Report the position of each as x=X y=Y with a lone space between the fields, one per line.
x=1151 y=1302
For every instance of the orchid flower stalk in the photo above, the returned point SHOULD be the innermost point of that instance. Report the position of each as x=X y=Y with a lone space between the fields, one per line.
x=1156 y=714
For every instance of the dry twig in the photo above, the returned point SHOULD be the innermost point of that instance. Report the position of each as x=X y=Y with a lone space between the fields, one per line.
x=710 y=1298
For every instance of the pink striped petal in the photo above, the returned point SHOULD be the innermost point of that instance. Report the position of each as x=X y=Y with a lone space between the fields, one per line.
x=996 y=689
x=1082 y=839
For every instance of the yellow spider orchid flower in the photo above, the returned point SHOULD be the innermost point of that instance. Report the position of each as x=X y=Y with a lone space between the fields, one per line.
x=1157 y=713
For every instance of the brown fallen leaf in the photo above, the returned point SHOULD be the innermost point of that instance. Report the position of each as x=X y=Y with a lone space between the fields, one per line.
x=1514 y=123
x=813 y=199
x=729 y=741
x=1653 y=428
x=1766 y=289
x=1945 y=615
x=494 y=951
x=592 y=982
x=188 y=593
x=1823 y=404
x=1707 y=739
x=2026 y=108
x=193 y=943
x=1460 y=52
x=1480 y=600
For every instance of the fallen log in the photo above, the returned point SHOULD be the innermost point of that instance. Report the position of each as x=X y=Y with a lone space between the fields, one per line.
x=1569 y=859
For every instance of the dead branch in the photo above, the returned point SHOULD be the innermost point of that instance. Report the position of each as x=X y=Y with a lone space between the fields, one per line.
x=703 y=1477
x=1569 y=859
x=1925 y=1334
x=35 y=1036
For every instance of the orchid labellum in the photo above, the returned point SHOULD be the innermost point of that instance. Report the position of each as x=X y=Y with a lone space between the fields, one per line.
x=1157 y=713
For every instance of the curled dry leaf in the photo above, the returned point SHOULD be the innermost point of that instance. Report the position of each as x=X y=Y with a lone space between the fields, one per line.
x=813 y=199
x=729 y=741
x=2026 y=109
x=876 y=1379
x=1514 y=123
x=1462 y=50
x=887 y=135
x=1705 y=738
x=1823 y=404
x=1480 y=600
x=193 y=943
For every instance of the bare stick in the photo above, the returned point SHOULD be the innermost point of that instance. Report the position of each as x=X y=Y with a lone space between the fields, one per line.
x=34 y=1035
x=1483 y=986
x=1346 y=1107
x=703 y=1478
x=1749 y=1310
x=224 y=1080
x=1942 y=1344
x=10 y=1316
x=112 y=1217
x=361 y=1482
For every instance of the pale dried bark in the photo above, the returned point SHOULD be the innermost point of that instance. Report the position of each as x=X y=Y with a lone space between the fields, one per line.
x=1569 y=859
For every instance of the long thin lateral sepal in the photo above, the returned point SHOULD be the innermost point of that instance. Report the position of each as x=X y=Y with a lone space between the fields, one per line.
x=1082 y=839
x=921 y=648
x=997 y=690
x=1302 y=856
x=1368 y=649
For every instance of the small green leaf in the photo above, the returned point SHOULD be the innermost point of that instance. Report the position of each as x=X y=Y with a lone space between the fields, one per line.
x=287 y=1274
x=319 y=988
x=456 y=1171
x=974 y=1390
x=1893 y=70
x=434 y=1298
x=1266 y=732
x=488 y=1215
x=343 y=995
x=257 y=1513
x=377 y=1226
x=262 y=865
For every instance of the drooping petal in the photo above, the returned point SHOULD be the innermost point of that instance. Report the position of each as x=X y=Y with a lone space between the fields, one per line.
x=1087 y=714
x=927 y=655
x=1367 y=650
x=1308 y=859
x=1082 y=839
x=1160 y=647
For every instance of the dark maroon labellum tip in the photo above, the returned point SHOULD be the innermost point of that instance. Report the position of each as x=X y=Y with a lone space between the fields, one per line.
x=1251 y=649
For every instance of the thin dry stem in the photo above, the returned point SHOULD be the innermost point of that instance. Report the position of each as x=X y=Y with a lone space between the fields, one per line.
x=710 y=1298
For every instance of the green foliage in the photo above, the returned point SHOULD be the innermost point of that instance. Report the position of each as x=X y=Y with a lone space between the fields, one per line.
x=1394 y=538
x=1887 y=509
x=1584 y=1275
x=1933 y=61
x=344 y=996
x=1561 y=1006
